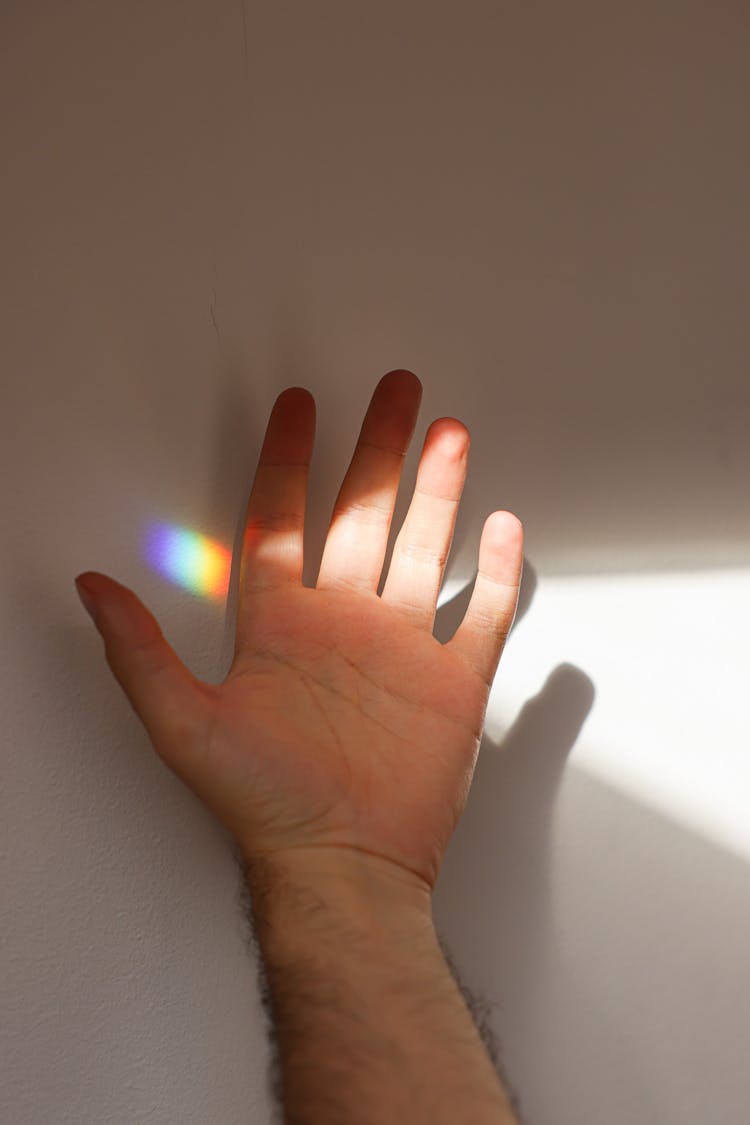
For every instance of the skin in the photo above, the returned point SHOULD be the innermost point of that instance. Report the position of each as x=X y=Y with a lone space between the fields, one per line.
x=339 y=752
x=342 y=721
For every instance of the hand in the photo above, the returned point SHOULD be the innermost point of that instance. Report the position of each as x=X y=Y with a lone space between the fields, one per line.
x=342 y=722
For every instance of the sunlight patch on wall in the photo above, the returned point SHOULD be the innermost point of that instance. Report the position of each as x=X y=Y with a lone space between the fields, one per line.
x=668 y=656
x=188 y=559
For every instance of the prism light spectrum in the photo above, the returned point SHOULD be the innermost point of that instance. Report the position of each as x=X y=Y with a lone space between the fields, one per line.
x=188 y=559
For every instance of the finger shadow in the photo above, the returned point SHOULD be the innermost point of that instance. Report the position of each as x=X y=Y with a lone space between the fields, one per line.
x=504 y=830
x=493 y=895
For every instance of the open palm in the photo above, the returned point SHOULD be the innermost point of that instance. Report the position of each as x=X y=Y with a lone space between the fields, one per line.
x=342 y=721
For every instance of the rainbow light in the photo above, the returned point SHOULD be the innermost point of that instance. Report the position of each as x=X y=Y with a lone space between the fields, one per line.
x=188 y=559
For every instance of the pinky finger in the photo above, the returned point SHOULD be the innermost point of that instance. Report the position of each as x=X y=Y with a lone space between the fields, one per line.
x=480 y=638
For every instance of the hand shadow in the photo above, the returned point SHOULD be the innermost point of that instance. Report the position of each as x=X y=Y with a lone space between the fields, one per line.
x=493 y=893
x=505 y=827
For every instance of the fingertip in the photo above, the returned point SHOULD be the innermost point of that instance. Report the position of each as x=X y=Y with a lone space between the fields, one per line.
x=94 y=590
x=92 y=582
x=116 y=610
x=453 y=435
x=403 y=377
x=503 y=539
x=85 y=593
x=296 y=396
x=505 y=528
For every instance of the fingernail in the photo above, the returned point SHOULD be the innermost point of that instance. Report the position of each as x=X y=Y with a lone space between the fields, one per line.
x=87 y=597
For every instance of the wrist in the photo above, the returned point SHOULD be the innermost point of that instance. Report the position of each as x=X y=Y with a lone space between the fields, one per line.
x=330 y=889
x=371 y=1023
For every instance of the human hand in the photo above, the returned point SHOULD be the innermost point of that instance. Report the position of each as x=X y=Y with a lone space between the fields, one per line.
x=343 y=722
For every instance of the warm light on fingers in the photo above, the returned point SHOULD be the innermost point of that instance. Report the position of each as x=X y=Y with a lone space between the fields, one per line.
x=503 y=537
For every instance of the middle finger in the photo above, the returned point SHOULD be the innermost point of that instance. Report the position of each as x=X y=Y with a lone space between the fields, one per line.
x=357 y=538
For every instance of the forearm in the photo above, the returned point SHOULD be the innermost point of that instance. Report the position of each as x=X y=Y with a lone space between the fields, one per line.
x=371 y=1025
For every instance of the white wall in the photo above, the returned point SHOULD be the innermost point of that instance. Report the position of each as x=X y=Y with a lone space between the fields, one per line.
x=542 y=211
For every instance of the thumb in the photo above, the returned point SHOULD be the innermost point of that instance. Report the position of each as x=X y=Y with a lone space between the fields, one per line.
x=175 y=707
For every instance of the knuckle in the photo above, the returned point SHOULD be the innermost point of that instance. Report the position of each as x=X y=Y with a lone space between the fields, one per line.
x=423 y=554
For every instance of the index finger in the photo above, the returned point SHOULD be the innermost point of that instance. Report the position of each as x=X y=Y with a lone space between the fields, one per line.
x=273 y=538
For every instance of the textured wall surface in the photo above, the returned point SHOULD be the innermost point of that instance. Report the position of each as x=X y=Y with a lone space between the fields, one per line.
x=542 y=211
